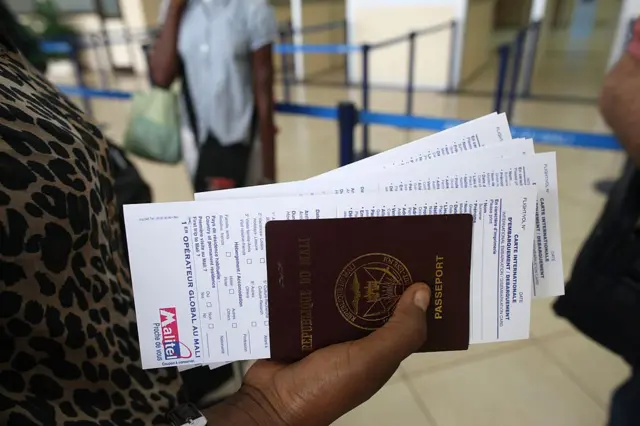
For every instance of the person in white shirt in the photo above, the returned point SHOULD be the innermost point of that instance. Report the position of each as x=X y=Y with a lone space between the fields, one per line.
x=222 y=50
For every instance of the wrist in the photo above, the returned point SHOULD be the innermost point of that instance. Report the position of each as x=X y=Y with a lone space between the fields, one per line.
x=177 y=6
x=247 y=407
x=634 y=48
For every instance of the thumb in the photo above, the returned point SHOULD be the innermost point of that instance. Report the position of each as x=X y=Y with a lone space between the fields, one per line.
x=404 y=333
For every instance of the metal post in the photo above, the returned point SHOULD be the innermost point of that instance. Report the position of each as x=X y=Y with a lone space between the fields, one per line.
x=365 y=98
x=146 y=49
x=77 y=70
x=285 y=70
x=503 y=57
x=128 y=39
x=452 y=56
x=515 y=79
x=533 y=39
x=347 y=56
x=410 y=78
x=347 y=120
x=100 y=49
x=292 y=56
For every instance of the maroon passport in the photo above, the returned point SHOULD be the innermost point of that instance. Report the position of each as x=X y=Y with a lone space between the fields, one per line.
x=335 y=280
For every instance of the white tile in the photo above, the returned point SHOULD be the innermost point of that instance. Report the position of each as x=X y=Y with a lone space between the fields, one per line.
x=418 y=364
x=522 y=387
x=393 y=405
x=593 y=367
x=544 y=322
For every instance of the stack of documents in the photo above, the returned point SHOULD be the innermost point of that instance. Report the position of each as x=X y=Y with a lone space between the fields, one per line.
x=205 y=272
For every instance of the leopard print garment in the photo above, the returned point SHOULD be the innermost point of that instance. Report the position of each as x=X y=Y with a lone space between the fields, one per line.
x=69 y=351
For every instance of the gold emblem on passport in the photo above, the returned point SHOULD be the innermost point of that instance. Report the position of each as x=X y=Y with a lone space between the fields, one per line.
x=368 y=289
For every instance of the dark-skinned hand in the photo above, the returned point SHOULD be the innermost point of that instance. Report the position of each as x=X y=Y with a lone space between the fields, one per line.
x=332 y=381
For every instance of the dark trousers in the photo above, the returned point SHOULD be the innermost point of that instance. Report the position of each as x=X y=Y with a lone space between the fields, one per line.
x=219 y=167
x=222 y=167
x=625 y=404
x=199 y=381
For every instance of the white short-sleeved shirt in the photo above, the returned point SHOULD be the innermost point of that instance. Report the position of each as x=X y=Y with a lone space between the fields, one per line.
x=215 y=41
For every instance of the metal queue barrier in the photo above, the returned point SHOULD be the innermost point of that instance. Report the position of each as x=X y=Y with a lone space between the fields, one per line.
x=287 y=33
x=365 y=50
x=509 y=59
x=348 y=116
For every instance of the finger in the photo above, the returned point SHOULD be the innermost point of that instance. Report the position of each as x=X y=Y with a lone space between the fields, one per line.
x=402 y=335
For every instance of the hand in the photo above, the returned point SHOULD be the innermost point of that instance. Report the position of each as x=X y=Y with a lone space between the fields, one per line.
x=332 y=381
x=179 y=5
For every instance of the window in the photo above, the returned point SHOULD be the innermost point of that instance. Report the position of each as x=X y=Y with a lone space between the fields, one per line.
x=110 y=8
x=107 y=8
x=76 y=6
x=21 y=6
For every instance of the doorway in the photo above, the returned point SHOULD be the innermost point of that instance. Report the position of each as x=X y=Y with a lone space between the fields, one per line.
x=574 y=55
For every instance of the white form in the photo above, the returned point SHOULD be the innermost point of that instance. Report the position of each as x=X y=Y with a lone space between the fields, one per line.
x=485 y=131
x=466 y=172
x=201 y=265
x=473 y=169
x=517 y=147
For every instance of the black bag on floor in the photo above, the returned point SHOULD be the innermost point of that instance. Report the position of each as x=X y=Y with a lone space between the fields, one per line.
x=602 y=297
x=129 y=187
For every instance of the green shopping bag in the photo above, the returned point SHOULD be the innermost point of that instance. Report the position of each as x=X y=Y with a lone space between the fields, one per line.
x=154 y=127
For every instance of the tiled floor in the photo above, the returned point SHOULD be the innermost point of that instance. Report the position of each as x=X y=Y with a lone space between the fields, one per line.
x=577 y=67
x=549 y=379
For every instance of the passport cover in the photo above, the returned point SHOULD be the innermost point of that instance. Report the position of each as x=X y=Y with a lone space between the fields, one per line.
x=336 y=280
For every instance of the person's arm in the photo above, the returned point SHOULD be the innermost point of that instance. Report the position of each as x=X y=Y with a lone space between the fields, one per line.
x=262 y=64
x=164 y=63
x=620 y=98
x=262 y=30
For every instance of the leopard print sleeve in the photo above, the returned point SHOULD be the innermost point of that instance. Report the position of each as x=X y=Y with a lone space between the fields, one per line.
x=69 y=350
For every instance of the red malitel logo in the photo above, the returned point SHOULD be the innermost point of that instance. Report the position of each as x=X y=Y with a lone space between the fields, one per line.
x=172 y=346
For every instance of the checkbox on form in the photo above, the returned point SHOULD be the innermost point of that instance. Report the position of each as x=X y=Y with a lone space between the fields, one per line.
x=234 y=325
x=263 y=260
x=254 y=324
x=228 y=254
x=231 y=291
x=249 y=261
x=209 y=304
x=211 y=326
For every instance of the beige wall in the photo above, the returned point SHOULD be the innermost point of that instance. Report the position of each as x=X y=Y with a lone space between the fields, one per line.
x=512 y=13
x=544 y=37
x=388 y=65
x=151 y=10
x=477 y=36
x=316 y=13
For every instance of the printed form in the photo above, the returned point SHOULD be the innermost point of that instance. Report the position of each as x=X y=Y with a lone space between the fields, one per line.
x=485 y=131
x=199 y=271
x=453 y=173
x=475 y=169
x=518 y=147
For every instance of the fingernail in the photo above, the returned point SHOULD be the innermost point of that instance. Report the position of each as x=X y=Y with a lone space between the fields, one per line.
x=422 y=298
